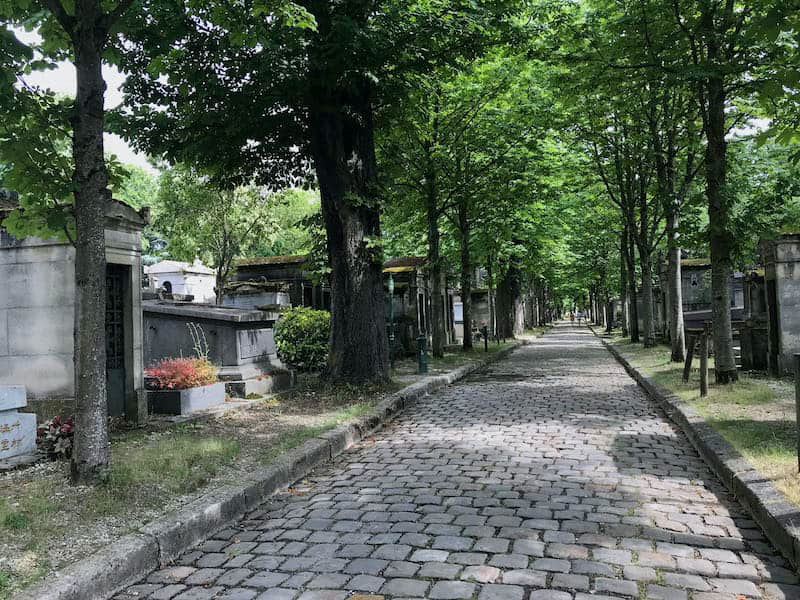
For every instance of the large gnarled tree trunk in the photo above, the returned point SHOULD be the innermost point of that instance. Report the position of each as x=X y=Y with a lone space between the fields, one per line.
x=344 y=156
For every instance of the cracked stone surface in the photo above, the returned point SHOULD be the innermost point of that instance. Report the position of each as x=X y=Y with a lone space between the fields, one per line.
x=549 y=475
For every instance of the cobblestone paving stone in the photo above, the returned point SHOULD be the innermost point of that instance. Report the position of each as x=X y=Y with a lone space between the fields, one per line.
x=548 y=476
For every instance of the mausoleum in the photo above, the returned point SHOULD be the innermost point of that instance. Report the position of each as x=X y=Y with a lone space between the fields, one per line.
x=782 y=278
x=37 y=316
x=185 y=279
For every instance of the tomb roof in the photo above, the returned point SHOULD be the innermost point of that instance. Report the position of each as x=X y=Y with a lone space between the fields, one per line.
x=403 y=263
x=272 y=260
x=695 y=262
x=176 y=266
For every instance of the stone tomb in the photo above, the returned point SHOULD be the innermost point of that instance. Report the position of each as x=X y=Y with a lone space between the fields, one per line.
x=782 y=277
x=17 y=430
x=240 y=342
x=37 y=317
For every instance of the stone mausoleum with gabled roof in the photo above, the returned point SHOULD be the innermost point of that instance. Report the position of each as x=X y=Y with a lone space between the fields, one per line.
x=37 y=315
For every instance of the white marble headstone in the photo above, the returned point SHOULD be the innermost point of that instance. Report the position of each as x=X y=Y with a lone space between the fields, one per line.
x=17 y=430
x=12 y=396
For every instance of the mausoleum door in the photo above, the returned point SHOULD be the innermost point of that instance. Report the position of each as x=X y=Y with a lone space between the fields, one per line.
x=115 y=339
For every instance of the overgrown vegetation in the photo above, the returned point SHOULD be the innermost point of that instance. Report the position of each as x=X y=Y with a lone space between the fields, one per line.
x=148 y=471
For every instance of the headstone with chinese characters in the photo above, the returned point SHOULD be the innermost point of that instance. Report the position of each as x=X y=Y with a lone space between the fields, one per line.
x=17 y=430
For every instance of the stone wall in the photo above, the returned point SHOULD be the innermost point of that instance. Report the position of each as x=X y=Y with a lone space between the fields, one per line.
x=782 y=274
x=36 y=318
x=37 y=314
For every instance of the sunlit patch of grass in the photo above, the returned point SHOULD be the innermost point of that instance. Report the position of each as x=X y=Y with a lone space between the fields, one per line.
x=145 y=471
x=294 y=437
x=176 y=462
x=755 y=415
x=27 y=511
x=30 y=518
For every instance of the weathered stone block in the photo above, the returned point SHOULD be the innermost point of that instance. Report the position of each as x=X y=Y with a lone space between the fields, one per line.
x=17 y=430
x=44 y=376
x=36 y=284
x=184 y=402
x=3 y=332
x=17 y=434
x=11 y=397
x=40 y=330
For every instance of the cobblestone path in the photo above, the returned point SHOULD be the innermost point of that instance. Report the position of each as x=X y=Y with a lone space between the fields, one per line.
x=548 y=476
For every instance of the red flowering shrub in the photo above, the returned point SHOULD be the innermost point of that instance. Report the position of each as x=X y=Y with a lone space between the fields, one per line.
x=54 y=438
x=181 y=374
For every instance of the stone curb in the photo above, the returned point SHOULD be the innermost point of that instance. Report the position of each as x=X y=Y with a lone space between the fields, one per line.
x=777 y=517
x=158 y=543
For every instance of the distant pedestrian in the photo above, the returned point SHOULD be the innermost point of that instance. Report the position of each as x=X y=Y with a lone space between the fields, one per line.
x=580 y=316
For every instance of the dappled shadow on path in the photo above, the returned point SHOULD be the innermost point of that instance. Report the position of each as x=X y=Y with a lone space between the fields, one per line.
x=553 y=454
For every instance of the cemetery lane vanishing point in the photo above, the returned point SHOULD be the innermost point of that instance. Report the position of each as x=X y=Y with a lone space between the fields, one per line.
x=549 y=475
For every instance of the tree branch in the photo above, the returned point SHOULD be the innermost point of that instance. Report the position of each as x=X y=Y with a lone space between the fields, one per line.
x=64 y=19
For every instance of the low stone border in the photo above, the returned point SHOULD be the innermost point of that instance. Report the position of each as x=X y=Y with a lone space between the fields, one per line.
x=777 y=517
x=158 y=543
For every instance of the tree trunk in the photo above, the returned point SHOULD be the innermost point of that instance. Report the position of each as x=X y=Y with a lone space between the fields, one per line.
x=634 y=306
x=509 y=303
x=219 y=288
x=90 y=454
x=647 y=299
x=492 y=304
x=466 y=273
x=434 y=264
x=344 y=156
x=544 y=318
x=223 y=272
x=719 y=234
x=623 y=279
x=674 y=289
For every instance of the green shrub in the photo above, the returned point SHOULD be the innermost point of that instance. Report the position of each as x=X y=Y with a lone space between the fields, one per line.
x=301 y=336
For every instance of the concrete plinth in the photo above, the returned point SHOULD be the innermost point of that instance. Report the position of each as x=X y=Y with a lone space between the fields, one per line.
x=184 y=402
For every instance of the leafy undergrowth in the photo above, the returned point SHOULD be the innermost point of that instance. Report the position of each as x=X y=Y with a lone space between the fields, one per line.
x=756 y=415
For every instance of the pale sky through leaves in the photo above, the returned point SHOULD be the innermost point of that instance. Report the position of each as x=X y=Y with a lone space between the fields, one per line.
x=63 y=81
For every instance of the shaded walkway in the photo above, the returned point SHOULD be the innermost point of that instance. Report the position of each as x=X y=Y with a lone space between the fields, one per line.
x=549 y=475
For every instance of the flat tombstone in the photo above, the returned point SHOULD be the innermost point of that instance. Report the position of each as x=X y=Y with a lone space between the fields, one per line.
x=12 y=397
x=17 y=430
